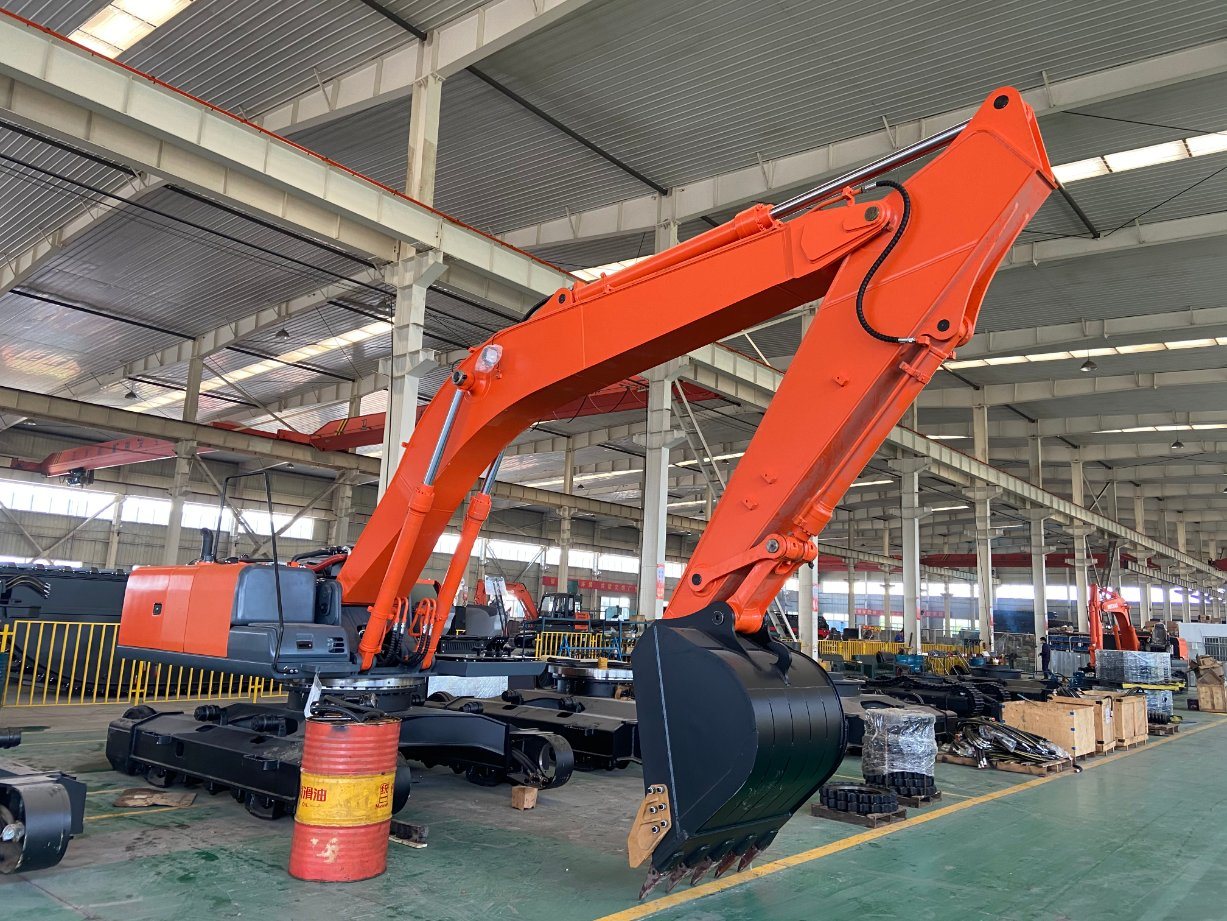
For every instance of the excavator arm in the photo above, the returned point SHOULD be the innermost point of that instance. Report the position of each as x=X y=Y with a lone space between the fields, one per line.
x=736 y=731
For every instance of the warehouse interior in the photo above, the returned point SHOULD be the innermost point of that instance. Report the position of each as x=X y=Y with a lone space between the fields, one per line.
x=263 y=260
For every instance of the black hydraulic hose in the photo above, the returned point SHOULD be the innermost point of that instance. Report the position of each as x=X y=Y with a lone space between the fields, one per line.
x=877 y=264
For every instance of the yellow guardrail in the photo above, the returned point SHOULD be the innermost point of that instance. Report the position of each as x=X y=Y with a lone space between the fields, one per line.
x=61 y=663
x=850 y=648
x=583 y=644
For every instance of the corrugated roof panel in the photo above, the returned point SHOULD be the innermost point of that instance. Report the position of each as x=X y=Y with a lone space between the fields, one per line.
x=72 y=346
x=374 y=142
x=499 y=165
x=59 y=15
x=158 y=270
x=33 y=201
x=249 y=55
x=1152 y=279
x=430 y=14
x=687 y=90
x=1166 y=192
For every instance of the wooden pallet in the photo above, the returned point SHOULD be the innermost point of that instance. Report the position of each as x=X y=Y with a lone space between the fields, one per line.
x=1164 y=729
x=873 y=820
x=1129 y=746
x=916 y=802
x=1038 y=770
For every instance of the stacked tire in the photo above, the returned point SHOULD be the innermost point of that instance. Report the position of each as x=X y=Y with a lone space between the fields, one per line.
x=862 y=799
x=905 y=783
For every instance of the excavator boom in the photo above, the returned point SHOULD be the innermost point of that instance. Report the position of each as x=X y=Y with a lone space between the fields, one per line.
x=736 y=730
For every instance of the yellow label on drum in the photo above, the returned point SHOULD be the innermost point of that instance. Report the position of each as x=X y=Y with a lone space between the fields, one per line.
x=360 y=799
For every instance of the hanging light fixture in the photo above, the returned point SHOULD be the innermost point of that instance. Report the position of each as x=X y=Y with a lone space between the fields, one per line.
x=1177 y=445
x=1088 y=366
x=282 y=333
x=131 y=394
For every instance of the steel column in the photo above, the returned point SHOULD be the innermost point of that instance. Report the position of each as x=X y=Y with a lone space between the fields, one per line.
x=564 y=526
x=117 y=524
x=1039 y=572
x=1080 y=533
x=659 y=441
x=410 y=361
x=424 y=138
x=184 y=452
x=982 y=496
x=910 y=515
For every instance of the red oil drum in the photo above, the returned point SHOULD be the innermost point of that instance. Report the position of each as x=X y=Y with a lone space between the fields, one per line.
x=344 y=800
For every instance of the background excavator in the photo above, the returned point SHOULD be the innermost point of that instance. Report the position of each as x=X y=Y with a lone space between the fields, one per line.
x=1108 y=608
x=736 y=731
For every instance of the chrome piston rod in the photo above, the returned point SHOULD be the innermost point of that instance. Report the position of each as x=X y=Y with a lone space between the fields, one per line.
x=864 y=173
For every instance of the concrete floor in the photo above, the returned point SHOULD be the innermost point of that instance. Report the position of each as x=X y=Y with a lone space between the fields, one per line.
x=1135 y=837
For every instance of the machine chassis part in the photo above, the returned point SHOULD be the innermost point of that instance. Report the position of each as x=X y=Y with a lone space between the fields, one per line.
x=255 y=750
x=603 y=733
x=40 y=812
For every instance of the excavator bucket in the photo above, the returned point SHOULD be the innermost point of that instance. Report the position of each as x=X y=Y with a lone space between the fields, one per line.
x=736 y=732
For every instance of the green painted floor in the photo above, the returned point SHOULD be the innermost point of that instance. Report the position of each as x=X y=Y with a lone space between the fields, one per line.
x=1135 y=838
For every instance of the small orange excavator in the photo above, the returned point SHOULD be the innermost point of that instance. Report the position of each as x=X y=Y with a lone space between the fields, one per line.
x=1107 y=605
x=553 y=604
x=736 y=730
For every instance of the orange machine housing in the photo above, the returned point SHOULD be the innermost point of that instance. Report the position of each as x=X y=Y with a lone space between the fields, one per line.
x=177 y=609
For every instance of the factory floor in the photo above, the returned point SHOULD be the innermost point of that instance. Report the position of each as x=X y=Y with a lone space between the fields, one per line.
x=1134 y=837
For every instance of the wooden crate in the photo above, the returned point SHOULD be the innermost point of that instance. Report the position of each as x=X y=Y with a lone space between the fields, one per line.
x=1103 y=710
x=1128 y=716
x=1211 y=698
x=1071 y=727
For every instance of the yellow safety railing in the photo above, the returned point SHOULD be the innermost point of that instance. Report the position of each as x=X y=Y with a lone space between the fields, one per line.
x=850 y=648
x=582 y=645
x=59 y=663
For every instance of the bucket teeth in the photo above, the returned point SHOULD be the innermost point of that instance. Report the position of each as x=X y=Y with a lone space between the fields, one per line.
x=747 y=858
x=675 y=877
x=700 y=871
x=723 y=867
x=653 y=880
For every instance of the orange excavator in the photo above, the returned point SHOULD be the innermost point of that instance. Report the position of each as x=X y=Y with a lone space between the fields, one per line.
x=736 y=730
x=1107 y=607
x=553 y=604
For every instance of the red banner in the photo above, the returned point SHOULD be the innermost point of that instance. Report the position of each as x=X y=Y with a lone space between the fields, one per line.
x=600 y=585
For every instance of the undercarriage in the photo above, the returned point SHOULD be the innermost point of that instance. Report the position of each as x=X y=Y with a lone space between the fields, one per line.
x=254 y=750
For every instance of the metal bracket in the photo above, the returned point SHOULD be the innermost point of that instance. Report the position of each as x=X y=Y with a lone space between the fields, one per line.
x=650 y=825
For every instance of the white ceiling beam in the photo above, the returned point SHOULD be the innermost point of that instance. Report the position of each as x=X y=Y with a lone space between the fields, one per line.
x=1084 y=386
x=1081 y=425
x=771 y=179
x=1056 y=452
x=464 y=41
x=1170 y=325
x=93 y=103
x=307 y=398
x=123 y=422
x=16 y=269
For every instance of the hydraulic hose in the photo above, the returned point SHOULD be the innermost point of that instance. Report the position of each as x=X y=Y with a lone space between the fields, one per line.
x=877 y=264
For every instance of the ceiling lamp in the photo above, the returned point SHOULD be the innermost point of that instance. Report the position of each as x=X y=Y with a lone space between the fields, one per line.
x=1088 y=366
x=282 y=333
x=131 y=394
x=1177 y=445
